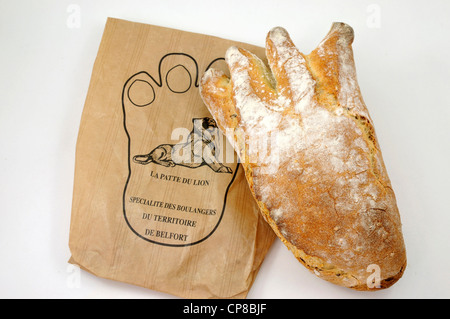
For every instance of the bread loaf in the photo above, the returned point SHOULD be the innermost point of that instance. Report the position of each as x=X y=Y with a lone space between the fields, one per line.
x=311 y=156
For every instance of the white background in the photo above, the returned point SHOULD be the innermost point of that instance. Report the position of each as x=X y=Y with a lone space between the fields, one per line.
x=402 y=54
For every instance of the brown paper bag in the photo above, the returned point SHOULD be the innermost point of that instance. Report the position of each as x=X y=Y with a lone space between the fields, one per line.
x=159 y=199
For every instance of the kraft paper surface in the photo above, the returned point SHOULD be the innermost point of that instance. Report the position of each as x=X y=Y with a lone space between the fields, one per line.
x=160 y=200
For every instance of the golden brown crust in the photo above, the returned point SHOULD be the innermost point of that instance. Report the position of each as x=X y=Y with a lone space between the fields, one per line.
x=311 y=157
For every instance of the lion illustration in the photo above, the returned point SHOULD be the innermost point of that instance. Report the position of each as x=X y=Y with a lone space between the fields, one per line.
x=199 y=149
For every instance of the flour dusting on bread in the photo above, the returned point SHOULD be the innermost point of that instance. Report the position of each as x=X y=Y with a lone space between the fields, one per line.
x=307 y=144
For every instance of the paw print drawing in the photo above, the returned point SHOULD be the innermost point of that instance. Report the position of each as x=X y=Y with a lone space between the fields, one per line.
x=158 y=110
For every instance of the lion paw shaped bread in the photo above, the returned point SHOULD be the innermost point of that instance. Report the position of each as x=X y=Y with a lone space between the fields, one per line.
x=311 y=157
